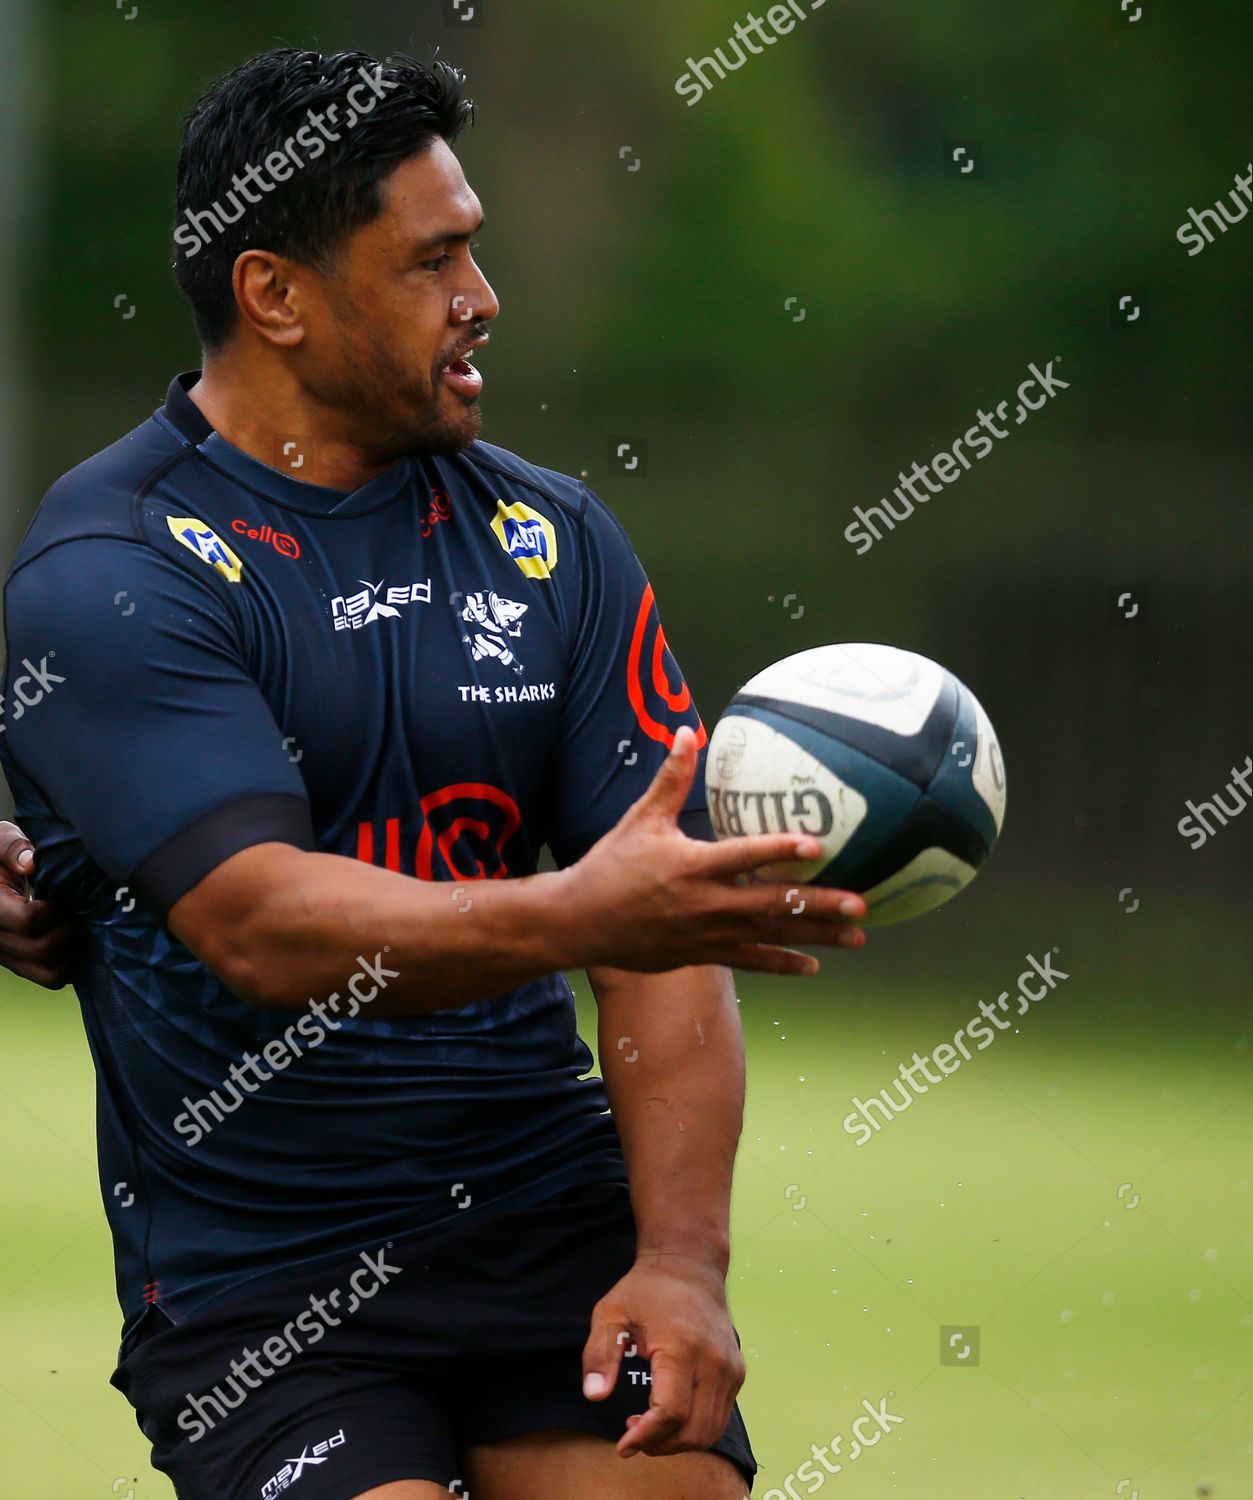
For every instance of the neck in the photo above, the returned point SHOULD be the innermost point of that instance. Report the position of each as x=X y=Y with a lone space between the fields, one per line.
x=268 y=414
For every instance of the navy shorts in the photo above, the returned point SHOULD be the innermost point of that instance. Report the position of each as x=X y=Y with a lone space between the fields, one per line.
x=415 y=1352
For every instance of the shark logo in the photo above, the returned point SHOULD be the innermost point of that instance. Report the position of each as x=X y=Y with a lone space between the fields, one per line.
x=493 y=623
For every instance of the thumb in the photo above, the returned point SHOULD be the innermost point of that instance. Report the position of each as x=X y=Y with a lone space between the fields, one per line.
x=17 y=853
x=602 y=1357
x=673 y=781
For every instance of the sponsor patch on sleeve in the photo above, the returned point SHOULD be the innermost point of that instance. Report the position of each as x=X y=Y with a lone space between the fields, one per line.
x=528 y=537
x=207 y=545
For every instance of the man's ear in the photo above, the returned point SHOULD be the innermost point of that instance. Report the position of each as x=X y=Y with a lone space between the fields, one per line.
x=268 y=295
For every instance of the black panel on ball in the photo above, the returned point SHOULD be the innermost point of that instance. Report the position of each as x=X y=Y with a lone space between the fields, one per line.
x=916 y=757
x=930 y=825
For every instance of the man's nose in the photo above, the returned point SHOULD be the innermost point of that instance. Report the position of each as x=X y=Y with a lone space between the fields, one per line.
x=476 y=303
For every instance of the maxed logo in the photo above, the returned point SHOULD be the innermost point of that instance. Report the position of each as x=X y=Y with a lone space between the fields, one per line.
x=352 y=611
x=282 y=542
x=294 y=1468
x=462 y=835
x=528 y=537
x=651 y=671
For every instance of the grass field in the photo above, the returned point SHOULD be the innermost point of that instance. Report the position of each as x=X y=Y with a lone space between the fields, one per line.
x=1114 y=1331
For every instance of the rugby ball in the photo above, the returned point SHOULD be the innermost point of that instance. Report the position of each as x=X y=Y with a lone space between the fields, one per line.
x=882 y=755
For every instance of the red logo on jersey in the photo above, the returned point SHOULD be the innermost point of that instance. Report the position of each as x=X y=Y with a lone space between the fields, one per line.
x=464 y=832
x=279 y=540
x=441 y=510
x=648 y=686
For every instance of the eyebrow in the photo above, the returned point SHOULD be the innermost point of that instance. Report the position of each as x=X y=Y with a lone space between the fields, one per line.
x=449 y=237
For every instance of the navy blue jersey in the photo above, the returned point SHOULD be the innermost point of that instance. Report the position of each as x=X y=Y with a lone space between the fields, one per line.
x=441 y=673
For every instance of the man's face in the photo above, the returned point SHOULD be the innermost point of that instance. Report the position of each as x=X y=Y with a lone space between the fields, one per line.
x=388 y=327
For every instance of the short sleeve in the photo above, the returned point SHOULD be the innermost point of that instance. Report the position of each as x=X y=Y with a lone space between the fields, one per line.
x=625 y=698
x=128 y=704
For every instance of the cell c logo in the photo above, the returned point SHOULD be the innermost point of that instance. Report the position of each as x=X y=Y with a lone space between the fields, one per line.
x=651 y=670
x=282 y=542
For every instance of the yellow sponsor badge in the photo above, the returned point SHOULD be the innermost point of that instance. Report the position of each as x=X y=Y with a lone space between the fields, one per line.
x=528 y=537
x=207 y=545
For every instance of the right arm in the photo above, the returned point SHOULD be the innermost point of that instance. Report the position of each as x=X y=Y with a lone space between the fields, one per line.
x=280 y=926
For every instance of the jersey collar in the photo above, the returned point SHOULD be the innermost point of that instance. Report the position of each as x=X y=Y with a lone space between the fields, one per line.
x=182 y=413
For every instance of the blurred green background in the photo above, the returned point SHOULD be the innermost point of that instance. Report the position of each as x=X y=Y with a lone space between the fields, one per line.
x=654 y=305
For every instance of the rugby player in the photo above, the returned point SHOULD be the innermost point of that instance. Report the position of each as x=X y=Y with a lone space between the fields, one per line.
x=295 y=640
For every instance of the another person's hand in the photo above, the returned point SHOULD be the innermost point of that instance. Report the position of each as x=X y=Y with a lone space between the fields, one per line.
x=647 y=898
x=37 y=940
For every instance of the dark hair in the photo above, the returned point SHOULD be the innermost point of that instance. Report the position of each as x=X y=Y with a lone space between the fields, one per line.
x=266 y=108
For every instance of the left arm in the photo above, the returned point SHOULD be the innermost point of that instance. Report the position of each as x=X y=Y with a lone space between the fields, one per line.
x=676 y=1087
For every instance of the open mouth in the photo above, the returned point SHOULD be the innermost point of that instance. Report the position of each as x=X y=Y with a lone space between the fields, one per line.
x=462 y=376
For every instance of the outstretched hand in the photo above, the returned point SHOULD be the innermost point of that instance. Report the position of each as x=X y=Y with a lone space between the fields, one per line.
x=650 y=899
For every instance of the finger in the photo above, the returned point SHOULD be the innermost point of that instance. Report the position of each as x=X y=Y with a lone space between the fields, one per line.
x=30 y=919
x=764 y=958
x=48 y=977
x=672 y=783
x=652 y=1434
x=708 y=1417
x=669 y=1406
x=792 y=902
x=715 y=1400
x=49 y=959
x=837 y=933
x=17 y=853
x=770 y=958
x=705 y=1422
x=27 y=950
x=750 y=851
x=602 y=1356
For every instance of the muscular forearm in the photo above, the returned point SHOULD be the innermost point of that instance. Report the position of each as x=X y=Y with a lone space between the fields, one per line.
x=282 y=927
x=672 y=1056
